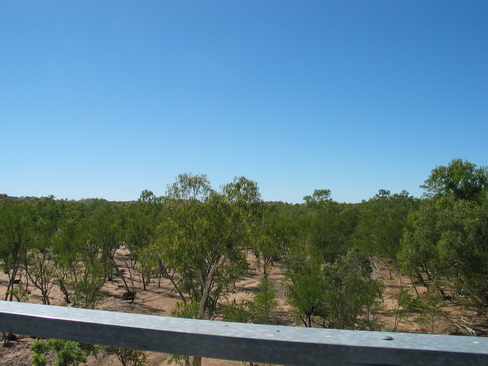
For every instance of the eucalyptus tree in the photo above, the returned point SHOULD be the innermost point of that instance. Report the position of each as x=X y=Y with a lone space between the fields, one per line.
x=446 y=245
x=69 y=247
x=281 y=226
x=137 y=235
x=466 y=243
x=305 y=287
x=140 y=222
x=419 y=256
x=341 y=294
x=328 y=226
x=446 y=248
x=15 y=238
x=104 y=227
x=461 y=179
x=352 y=294
x=202 y=237
x=81 y=269
x=329 y=281
x=382 y=222
x=39 y=264
x=265 y=246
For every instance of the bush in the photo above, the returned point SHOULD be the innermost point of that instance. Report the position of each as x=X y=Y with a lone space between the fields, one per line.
x=128 y=356
x=67 y=353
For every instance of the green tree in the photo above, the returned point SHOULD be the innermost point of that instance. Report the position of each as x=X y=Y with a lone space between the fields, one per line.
x=105 y=235
x=42 y=271
x=15 y=239
x=460 y=178
x=305 y=288
x=201 y=239
x=406 y=305
x=140 y=222
x=276 y=233
x=446 y=248
x=340 y=295
x=352 y=294
x=265 y=247
x=264 y=302
x=236 y=311
x=319 y=197
x=382 y=222
x=420 y=257
x=82 y=270
x=40 y=266
x=328 y=230
x=329 y=282
x=68 y=247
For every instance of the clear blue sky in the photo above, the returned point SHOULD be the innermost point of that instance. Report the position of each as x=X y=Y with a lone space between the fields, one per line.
x=108 y=98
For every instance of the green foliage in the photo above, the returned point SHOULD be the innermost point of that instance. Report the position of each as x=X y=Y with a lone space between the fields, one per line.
x=460 y=179
x=187 y=310
x=39 y=350
x=278 y=231
x=128 y=356
x=77 y=258
x=139 y=221
x=426 y=310
x=237 y=312
x=19 y=293
x=431 y=315
x=419 y=256
x=86 y=291
x=264 y=302
x=198 y=237
x=406 y=305
x=258 y=310
x=341 y=294
x=42 y=271
x=104 y=233
x=319 y=196
x=382 y=222
x=321 y=270
x=351 y=293
x=202 y=237
x=179 y=359
x=266 y=247
x=446 y=248
x=15 y=238
x=67 y=353
x=305 y=288
x=328 y=230
x=138 y=228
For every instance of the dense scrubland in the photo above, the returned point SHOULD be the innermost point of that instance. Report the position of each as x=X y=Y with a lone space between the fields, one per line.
x=202 y=242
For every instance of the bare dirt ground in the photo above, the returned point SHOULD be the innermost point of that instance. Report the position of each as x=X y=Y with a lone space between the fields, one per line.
x=159 y=299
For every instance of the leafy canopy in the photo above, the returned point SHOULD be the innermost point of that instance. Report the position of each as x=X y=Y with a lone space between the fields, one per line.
x=460 y=179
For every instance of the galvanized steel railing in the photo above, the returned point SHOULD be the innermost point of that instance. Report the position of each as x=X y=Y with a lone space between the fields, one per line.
x=241 y=342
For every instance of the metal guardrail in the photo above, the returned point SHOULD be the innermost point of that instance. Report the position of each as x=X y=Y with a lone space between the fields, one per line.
x=241 y=342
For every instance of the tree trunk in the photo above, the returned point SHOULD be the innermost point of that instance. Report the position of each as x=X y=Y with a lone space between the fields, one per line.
x=10 y=285
x=197 y=360
x=206 y=288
